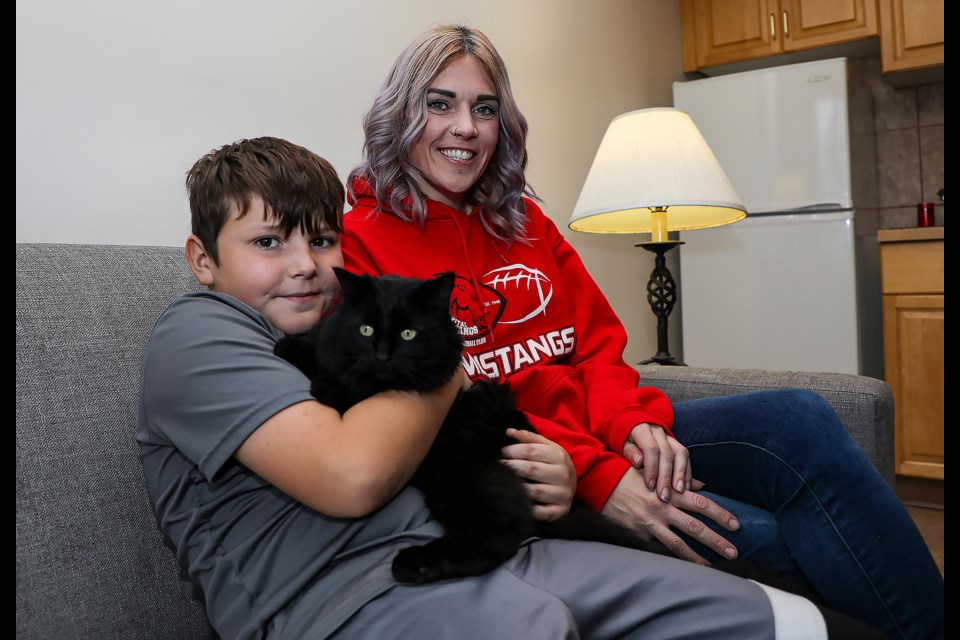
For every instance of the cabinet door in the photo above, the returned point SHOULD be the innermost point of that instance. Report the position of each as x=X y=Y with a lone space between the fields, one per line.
x=912 y=34
x=725 y=31
x=913 y=352
x=817 y=23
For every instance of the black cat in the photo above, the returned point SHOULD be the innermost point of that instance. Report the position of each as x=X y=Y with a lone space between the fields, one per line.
x=390 y=332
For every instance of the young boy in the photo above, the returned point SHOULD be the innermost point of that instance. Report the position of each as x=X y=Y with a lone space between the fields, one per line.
x=287 y=514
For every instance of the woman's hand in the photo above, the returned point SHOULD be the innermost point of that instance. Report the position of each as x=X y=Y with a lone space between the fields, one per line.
x=634 y=505
x=665 y=462
x=548 y=470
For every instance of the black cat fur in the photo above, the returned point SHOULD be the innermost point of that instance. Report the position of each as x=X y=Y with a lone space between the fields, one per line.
x=482 y=504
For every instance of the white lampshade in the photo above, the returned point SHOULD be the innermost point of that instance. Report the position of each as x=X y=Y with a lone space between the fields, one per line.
x=654 y=172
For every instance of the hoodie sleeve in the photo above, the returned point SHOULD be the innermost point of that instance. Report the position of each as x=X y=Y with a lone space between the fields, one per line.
x=615 y=402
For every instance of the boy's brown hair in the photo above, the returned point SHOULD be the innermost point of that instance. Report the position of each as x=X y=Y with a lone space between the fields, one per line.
x=300 y=188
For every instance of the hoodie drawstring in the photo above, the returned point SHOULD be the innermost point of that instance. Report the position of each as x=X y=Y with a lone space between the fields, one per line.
x=473 y=276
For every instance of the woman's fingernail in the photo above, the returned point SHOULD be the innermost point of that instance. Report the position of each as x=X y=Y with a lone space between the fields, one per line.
x=665 y=495
x=730 y=552
x=652 y=485
x=679 y=486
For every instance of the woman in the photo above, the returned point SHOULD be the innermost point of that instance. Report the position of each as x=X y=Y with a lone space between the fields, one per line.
x=442 y=188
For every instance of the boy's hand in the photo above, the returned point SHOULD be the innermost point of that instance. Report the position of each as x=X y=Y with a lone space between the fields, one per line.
x=548 y=470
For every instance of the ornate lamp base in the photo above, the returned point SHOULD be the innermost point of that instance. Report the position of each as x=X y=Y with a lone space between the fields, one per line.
x=662 y=295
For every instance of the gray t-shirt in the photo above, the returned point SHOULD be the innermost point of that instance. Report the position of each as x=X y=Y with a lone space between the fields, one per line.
x=209 y=379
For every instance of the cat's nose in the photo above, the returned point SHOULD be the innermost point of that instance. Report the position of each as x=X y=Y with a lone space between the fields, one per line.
x=381 y=353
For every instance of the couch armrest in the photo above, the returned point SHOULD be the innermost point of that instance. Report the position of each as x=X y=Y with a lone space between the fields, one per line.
x=865 y=405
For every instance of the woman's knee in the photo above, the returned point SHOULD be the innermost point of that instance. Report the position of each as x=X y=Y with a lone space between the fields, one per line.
x=735 y=417
x=805 y=400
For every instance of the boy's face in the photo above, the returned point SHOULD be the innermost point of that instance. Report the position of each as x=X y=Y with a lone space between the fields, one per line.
x=289 y=279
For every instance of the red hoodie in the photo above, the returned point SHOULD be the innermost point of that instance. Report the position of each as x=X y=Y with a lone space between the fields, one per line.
x=520 y=309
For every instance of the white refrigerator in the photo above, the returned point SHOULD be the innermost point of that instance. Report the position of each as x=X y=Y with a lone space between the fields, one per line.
x=791 y=287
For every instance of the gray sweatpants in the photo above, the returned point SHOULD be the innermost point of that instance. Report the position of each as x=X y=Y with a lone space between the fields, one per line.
x=557 y=589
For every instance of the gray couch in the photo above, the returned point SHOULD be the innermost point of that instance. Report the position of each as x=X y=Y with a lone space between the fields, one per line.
x=91 y=562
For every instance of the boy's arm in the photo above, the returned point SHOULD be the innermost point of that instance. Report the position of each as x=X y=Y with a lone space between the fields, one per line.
x=349 y=466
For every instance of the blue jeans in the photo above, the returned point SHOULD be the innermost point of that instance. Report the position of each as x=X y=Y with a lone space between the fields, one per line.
x=809 y=502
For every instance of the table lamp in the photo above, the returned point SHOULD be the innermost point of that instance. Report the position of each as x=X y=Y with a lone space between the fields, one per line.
x=654 y=173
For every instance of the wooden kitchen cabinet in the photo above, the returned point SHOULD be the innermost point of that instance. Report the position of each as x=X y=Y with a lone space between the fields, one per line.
x=911 y=34
x=911 y=271
x=718 y=32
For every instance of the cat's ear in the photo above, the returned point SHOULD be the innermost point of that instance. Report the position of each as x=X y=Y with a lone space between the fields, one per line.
x=441 y=286
x=444 y=284
x=353 y=286
x=348 y=281
x=341 y=273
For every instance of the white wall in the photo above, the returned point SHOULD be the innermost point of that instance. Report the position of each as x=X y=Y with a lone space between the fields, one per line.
x=117 y=98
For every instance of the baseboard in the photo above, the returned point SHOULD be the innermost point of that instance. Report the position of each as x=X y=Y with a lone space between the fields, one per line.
x=920 y=492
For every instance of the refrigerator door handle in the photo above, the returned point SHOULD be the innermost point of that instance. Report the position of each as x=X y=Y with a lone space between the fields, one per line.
x=822 y=206
x=825 y=207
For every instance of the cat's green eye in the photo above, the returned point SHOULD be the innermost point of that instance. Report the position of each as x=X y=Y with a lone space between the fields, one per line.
x=366 y=330
x=408 y=334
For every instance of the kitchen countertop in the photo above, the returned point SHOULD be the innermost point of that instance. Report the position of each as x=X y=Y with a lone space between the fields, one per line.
x=910 y=233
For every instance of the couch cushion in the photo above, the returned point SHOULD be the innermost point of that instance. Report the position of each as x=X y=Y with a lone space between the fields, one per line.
x=91 y=562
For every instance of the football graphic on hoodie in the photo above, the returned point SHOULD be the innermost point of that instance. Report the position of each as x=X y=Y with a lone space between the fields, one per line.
x=526 y=292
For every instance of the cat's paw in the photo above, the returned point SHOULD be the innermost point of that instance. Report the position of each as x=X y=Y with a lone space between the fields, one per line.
x=416 y=565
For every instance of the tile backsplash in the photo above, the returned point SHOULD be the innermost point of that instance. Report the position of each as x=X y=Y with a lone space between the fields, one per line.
x=897 y=163
x=908 y=130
